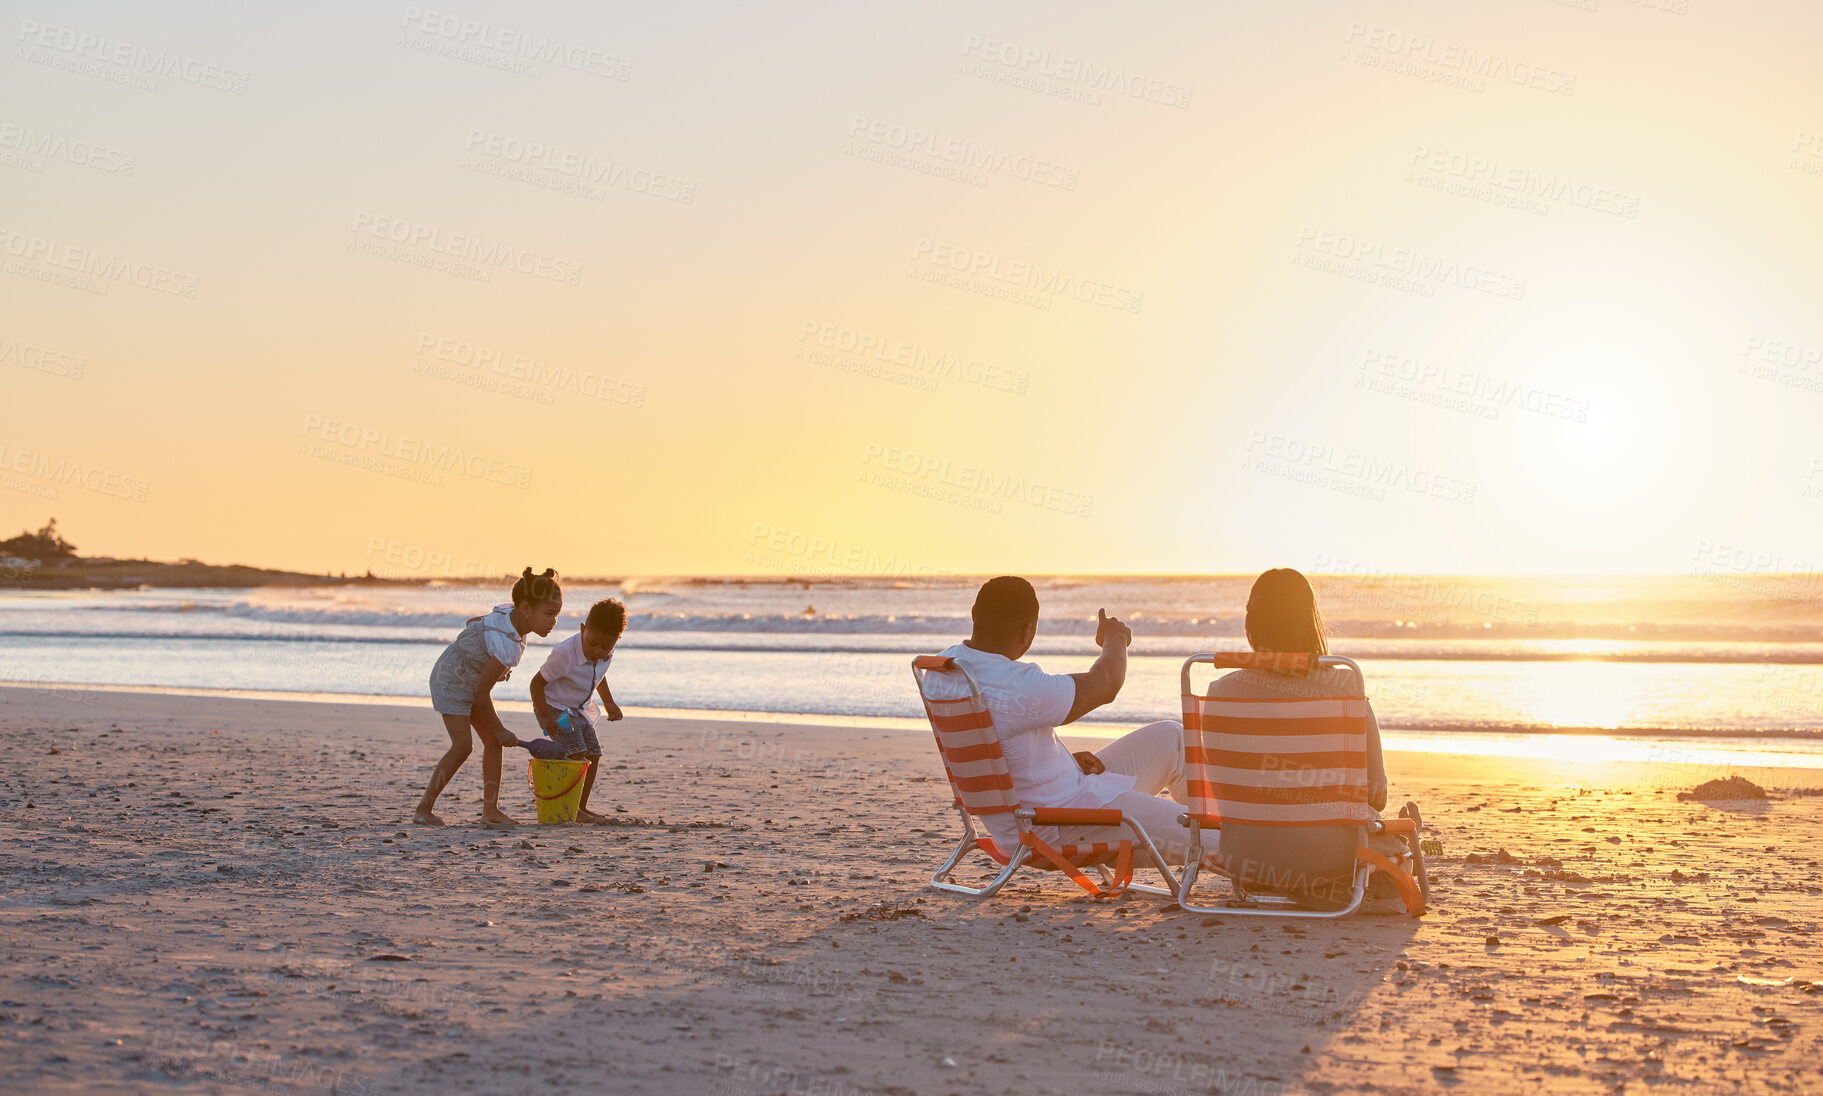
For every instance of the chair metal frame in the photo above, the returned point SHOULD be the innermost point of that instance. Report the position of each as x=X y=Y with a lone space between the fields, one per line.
x=1026 y=818
x=1242 y=903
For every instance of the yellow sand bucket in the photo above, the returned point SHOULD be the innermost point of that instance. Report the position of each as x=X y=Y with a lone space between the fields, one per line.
x=557 y=785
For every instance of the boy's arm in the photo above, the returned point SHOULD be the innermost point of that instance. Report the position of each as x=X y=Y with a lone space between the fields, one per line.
x=542 y=711
x=482 y=714
x=608 y=707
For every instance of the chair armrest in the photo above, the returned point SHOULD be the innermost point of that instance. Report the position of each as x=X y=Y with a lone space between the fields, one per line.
x=1072 y=816
x=1398 y=825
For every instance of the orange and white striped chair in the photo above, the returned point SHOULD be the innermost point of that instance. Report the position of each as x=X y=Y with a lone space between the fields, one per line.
x=1288 y=761
x=982 y=785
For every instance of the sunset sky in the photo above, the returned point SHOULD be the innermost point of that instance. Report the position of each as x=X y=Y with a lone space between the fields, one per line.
x=1062 y=287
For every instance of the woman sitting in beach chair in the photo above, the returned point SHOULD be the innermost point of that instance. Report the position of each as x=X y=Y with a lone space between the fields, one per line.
x=1287 y=762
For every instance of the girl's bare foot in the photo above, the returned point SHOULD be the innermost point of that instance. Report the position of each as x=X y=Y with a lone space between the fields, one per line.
x=585 y=815
x=424 y=817
x=494 y=816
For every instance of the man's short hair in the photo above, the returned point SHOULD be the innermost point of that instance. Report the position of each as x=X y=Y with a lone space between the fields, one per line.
x=1004 y=607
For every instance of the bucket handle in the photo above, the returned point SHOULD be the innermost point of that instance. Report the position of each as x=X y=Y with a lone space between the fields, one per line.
x=566 y=787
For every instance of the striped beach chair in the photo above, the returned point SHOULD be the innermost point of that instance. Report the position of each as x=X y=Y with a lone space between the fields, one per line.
x=1288 y=761
x=982 y=785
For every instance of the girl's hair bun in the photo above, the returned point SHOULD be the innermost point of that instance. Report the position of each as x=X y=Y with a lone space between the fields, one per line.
x=532 y=589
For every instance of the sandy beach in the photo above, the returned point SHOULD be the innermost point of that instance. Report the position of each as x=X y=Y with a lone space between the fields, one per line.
x=224 y=895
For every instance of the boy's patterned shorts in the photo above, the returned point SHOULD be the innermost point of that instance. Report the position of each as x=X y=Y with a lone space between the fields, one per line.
x=579 y=739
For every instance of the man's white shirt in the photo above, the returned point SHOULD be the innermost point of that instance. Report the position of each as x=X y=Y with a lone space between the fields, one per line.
x=1027 y=706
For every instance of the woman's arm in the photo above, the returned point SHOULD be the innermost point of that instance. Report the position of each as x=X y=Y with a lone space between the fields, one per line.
x=1376 y=764
x=482 y=714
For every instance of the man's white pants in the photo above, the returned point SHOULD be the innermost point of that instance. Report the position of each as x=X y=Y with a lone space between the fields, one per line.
x=1154 y=756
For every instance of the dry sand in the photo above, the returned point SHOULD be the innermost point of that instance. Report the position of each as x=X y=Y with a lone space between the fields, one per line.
x=217 y=895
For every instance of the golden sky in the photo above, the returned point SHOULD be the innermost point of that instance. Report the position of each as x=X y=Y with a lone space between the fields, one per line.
x=664 y=289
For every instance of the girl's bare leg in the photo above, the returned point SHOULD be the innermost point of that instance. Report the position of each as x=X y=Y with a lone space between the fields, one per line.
x=490 y=783
x=457 y=726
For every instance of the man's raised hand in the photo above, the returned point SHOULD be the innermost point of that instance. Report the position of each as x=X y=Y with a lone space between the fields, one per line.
x=1107 y=627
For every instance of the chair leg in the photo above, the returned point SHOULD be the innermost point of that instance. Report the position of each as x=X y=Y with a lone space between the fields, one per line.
x=993 y=887
x=941 y=881
x=1107 y=880
x=1193 y=865
x=940 y=877
x=1158 y=861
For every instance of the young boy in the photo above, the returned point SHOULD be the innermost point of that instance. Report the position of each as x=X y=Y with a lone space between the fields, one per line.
x=567 y=683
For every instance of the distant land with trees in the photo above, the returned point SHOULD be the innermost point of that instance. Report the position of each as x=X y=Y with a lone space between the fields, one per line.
x=45 y=560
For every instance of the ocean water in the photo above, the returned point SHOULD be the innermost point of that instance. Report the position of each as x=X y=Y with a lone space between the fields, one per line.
x=1719 y=657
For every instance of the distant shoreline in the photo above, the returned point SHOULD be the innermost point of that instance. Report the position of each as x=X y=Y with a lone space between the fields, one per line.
x=81 y=574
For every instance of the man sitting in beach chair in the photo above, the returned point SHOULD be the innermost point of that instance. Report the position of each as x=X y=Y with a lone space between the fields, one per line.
x=1027 y=706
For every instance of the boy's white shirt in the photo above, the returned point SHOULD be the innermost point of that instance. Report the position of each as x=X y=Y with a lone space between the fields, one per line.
x=570 y=679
